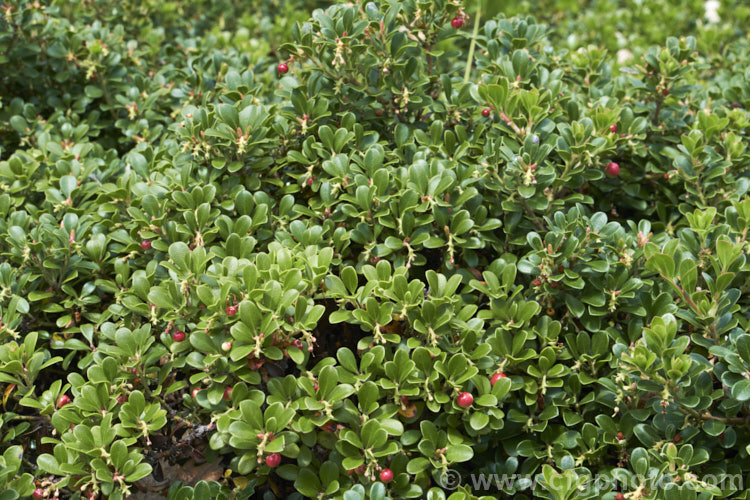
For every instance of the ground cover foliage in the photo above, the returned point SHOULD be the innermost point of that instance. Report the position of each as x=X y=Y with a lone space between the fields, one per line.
x=290 y=249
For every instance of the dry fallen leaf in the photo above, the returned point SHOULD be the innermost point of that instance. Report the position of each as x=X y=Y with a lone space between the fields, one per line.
x=188 y=473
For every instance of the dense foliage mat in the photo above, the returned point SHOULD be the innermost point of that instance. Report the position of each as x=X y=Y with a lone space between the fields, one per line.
x=364 y=250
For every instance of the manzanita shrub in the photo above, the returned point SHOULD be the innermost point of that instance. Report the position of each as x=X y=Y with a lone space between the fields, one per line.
x=354 y=250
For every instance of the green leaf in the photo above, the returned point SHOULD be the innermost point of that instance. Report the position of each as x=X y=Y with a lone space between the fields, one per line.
x=661 y=263
x=741 y=390
x=479 y=421
x=459 y=453
x=307 y=483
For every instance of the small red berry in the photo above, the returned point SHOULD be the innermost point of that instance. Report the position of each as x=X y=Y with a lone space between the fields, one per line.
x=227 y=393
x=145 y=244
x=38 y=493
x=63 y=400
x=665 y=91
x=619 y=496
x=464 y=399
x=231 y=310
x=195 y=393
x=486 y=112
x=677 y=438
x=282 y=68
x=497 y=377
x=612 y=169
x=613 y=128
x=620 y=436
x=273 y=460
x=386 y=475
x=178 y=336
x=457 y=22
x=537 y=282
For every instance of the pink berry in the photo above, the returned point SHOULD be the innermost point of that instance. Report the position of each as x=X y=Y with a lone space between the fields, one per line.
x=178 y=336
x=231 y=310
x=63 y=400
x=38 y=493
x=457 y=22
x=195 y=393
x=273 y=460
x=464 y=399
x=612 y=169
x=282 y=68
x=227 y=393
x=386 y=475
x=145 y=244
x=497 y=377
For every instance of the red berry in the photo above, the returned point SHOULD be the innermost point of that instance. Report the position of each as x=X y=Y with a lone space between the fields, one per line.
x=612 y=169
x=537 y=282
x=497 y=377
x=665 y=91
x=464 y=399
x=195 y=393
x=486 y=112
x=273 y=460
x=677 y=438
x=613 y=128
x=282 y=68
x=619 y=496
x=145 y=244
x=386 y=475
x=231 y=310
x=457 y=22
x=227 y=393
x=178 y=336
x=38 y=493
x=620 y=436
x=63 y=400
